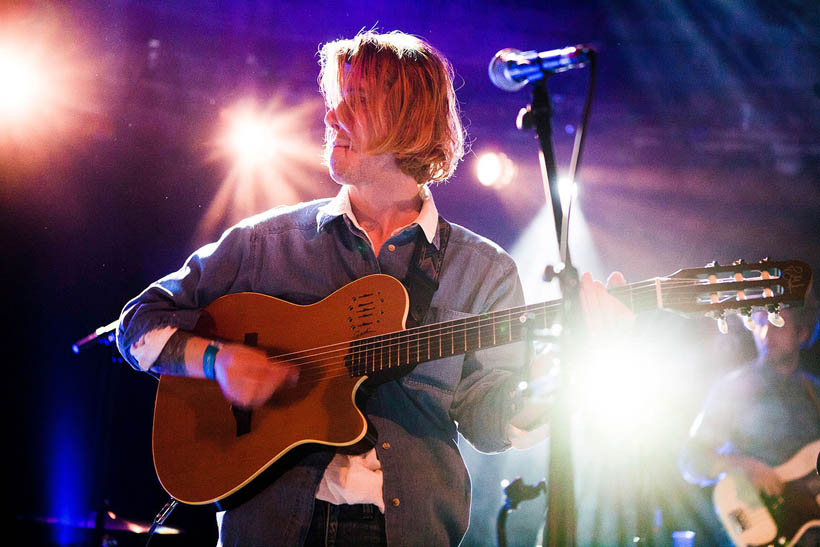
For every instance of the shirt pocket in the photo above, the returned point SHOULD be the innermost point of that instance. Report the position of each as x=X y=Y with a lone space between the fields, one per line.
x=443 y=374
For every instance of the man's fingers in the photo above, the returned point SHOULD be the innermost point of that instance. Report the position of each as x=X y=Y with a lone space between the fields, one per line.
x=615 y=279
x=249 y=377
x=604 y=313
x=590 y=301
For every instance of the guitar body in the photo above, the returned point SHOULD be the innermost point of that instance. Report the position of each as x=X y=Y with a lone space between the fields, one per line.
x=752 y=519
x=203 y=452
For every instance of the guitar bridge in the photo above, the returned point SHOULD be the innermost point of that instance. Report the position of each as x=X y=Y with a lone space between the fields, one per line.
x=242 y=416
x=243 y=420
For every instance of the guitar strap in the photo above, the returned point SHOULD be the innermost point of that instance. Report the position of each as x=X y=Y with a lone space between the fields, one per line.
x=421 y=280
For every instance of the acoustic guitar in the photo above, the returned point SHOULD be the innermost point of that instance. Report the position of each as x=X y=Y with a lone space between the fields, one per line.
x=206 y=451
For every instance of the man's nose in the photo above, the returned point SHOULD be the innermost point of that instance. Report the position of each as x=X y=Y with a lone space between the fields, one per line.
x=331 y=120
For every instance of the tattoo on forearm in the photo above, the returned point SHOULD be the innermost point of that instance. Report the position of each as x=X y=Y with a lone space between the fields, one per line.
x=171 y=359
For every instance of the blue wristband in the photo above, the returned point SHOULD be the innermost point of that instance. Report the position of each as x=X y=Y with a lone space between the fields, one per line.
x=208 y=361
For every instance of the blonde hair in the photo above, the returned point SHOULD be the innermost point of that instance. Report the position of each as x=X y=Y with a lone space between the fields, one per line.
x=397 y=91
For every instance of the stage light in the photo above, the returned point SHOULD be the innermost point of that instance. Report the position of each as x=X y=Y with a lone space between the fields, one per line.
x=252 y=140
x=49 y=94
x=617 y=390
x=623 y=387
x=567 y=189
x=273 y=157
x=24 y=84
x=494 y=169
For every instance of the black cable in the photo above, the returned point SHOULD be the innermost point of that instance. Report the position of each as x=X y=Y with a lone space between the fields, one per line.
x=163 y=514
x=578 y=148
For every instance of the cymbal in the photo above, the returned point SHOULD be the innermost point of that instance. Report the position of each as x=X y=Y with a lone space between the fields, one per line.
x=111 y=522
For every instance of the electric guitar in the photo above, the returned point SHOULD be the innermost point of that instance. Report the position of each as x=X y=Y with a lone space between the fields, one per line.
x=754 y=519
x=206 y=451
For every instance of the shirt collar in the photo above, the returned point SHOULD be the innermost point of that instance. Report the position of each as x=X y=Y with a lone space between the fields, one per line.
x=427 y=219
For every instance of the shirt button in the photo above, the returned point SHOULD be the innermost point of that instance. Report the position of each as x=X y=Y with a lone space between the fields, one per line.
x=396 y=502
x=386 y=445
x=391 y=247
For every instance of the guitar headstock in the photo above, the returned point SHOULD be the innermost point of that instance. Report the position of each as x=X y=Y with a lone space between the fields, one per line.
x=716 y=290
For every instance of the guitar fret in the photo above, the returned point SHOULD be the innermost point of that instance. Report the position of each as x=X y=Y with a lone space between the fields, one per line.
x=428 y=343
x=440 y=352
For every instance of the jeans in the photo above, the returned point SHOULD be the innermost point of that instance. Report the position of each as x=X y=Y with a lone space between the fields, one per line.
x=346 y=526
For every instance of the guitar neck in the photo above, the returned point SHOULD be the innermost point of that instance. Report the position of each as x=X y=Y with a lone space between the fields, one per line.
x=712 y=291
x=410 y=347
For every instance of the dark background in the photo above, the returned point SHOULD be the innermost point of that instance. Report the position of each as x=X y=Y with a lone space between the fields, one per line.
x=703 y=145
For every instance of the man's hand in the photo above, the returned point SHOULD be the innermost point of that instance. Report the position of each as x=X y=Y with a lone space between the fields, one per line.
x=248 y=377
x=604 y=313
x=762 y=476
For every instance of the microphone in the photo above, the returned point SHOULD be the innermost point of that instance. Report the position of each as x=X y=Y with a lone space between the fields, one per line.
x=97 y=335
x=511 y=69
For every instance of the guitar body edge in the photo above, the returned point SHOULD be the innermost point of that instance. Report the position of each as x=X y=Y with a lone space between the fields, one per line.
x=201 y=454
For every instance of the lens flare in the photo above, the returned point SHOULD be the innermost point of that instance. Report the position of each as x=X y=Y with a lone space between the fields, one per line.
x=494 y=169
x=25 y=84
x=274 y=158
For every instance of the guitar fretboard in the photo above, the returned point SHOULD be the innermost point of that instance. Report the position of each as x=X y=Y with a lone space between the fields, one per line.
x=383 y=353
x=694 y=291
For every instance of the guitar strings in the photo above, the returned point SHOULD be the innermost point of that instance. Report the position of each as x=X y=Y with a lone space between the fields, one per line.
x=429 y=330
x=404 y=348
x=322 y=362
x=403 y=337
x=517 y=310
x=426 y=330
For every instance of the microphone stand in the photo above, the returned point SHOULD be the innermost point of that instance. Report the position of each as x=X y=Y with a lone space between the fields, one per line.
x=102 y=336
x=560 y=525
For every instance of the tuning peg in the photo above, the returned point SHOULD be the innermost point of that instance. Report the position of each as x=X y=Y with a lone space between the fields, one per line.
x=713 y=264
x=746 y=318
x=764 y=259
x=776 y=320
x=720 y=317
x=774 y=316
x=738 y=262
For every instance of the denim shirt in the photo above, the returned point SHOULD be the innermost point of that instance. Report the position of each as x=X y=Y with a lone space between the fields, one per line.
x=302 y=254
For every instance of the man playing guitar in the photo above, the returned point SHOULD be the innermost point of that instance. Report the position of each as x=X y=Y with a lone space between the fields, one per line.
x=761 y=426
x=392 y=128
